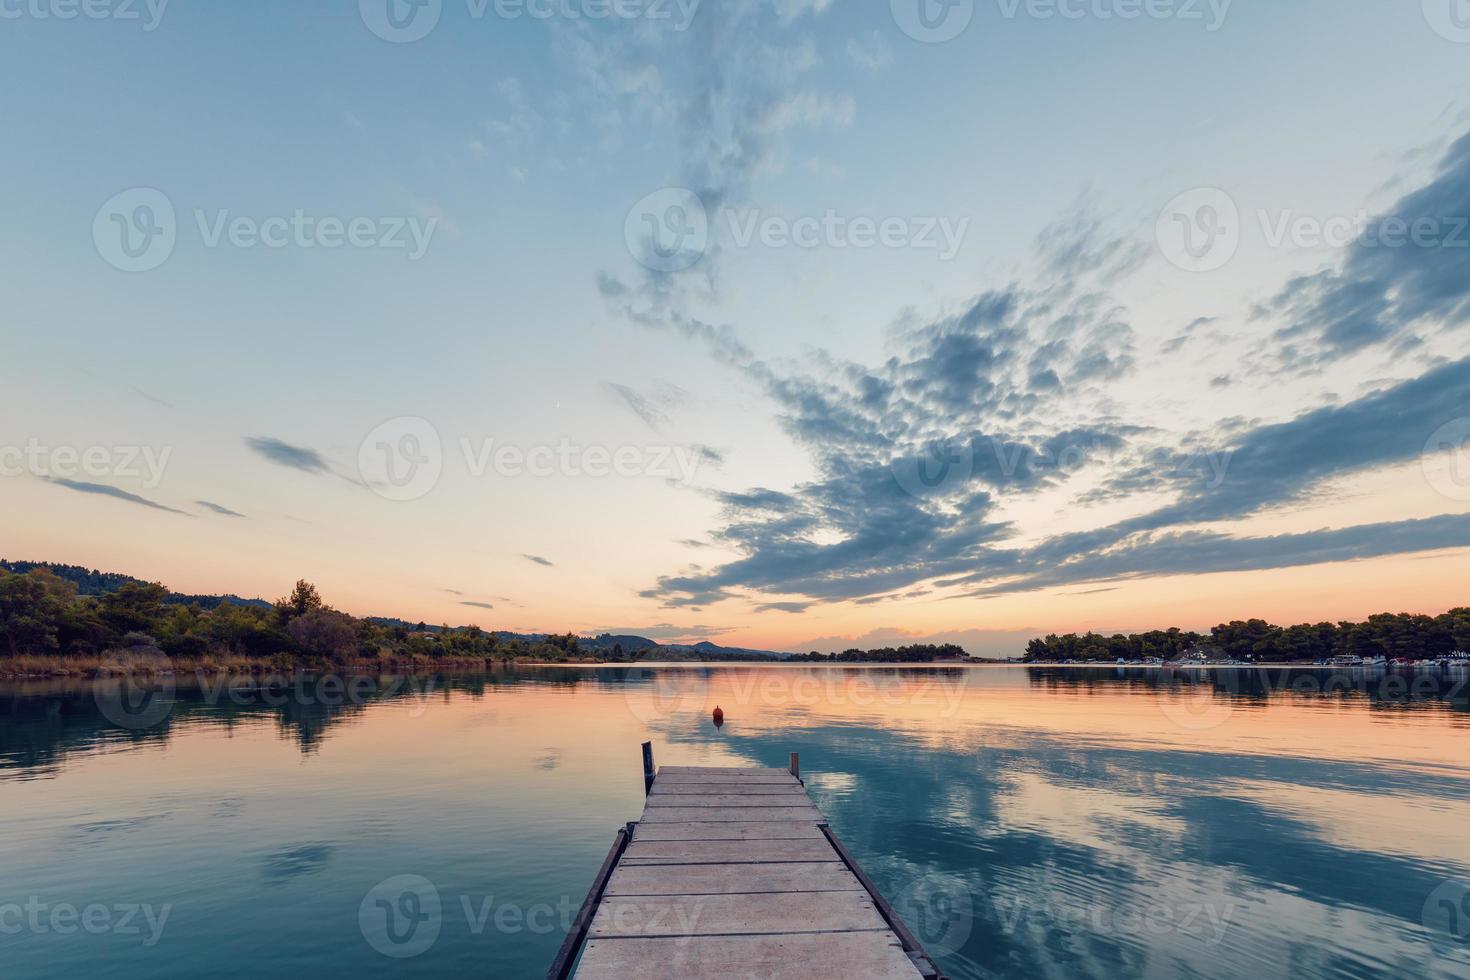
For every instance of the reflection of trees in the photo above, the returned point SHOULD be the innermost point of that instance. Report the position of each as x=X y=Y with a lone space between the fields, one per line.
x=1381 y=689
x=41 y=723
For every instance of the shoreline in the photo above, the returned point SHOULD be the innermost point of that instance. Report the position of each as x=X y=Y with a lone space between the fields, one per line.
x=36 y=668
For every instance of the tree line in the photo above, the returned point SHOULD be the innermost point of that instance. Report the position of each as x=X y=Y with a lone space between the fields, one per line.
x=45 y=615
x=1392 y=635
x=920 y=653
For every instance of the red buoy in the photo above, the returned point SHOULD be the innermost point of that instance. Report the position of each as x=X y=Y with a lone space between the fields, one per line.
x=719 y=716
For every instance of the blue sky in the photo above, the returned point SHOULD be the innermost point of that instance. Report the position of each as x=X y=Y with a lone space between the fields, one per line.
x=772 y=398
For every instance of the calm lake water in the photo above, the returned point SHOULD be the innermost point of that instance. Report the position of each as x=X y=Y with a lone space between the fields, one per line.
x=1027 y=822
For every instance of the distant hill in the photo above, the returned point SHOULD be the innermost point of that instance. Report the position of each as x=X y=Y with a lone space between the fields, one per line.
x=715 y=651
x=630 y=644
x=91 y=582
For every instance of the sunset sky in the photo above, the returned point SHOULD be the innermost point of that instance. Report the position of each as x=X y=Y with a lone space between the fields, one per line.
x=790 y=324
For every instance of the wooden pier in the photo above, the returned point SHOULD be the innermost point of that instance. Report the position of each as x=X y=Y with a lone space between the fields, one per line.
x=734 y=873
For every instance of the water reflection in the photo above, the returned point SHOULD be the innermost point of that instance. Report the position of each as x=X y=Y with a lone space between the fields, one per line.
x=1051 y=822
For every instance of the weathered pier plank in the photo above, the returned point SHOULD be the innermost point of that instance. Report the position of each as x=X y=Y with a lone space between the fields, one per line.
x=727 y=851
x=734 y=873
x=728 y=830
x=752 y=879
x=729 y=788
x=744 y=814
x=867 y=955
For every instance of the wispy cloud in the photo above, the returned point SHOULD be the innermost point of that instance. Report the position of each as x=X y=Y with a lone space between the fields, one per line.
x=538 y=560
x=218 y=509
x=291 y=457
x=871 y=53
x=478 y=605
x=100 y=490
x=785 y=607
x=651 y=414
x=1380 y=294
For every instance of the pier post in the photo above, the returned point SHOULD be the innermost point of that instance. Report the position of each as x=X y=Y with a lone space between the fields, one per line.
x=796 y=764
x=647 y=768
